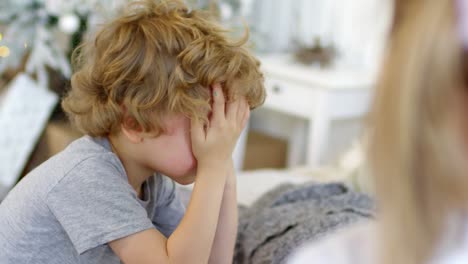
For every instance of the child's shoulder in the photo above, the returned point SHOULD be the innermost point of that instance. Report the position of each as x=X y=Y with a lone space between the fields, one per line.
x=88 y=154
x=85 y=150
x=86 y=164
x=84 y=159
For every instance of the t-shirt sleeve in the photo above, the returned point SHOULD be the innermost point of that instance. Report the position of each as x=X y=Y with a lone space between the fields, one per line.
x=95 y=205
x=169 y=207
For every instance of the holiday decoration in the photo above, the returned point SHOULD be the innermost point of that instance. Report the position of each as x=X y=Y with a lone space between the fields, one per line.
x=44 y=32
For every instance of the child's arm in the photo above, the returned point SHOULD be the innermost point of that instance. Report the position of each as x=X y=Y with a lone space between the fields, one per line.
x=192 y=241
x=226 y=233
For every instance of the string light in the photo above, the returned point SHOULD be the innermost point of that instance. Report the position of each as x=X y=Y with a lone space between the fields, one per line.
x=4 y=51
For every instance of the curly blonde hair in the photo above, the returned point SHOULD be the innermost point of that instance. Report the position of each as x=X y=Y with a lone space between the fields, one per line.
x=157 y=58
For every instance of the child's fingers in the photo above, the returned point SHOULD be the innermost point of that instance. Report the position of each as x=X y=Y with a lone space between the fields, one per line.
x=245 y=118
x=232 y=110
x=218 y=104
x=243 y=106
x=197 y=131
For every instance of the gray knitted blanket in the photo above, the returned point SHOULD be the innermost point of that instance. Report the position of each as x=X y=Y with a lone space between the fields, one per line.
x=286 y=217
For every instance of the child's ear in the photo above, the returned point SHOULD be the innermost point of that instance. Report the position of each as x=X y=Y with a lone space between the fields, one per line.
x=131 y=129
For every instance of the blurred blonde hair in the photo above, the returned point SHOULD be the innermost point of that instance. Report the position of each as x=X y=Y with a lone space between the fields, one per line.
x=157 y=58
x=416 y=149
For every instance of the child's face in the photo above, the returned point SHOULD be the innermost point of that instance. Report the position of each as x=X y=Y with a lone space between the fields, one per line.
x=170 y=153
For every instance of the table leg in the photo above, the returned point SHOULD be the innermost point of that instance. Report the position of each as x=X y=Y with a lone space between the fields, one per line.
x=318 y=131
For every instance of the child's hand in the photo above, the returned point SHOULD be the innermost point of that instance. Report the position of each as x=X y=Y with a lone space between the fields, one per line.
x=213 y=145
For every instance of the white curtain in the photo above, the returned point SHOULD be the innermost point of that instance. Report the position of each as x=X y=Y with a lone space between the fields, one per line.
x=357 y=28
x=361 y=30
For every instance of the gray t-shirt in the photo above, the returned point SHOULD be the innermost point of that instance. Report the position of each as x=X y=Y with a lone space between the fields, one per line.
x=70 y=207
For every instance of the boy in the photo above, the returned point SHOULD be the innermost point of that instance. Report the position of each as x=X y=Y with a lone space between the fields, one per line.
x=149 y=94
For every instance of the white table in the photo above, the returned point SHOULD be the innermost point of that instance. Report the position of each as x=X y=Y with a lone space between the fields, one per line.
x=319 y=96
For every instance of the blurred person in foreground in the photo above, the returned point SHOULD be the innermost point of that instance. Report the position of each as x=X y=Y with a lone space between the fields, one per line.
x=418 y=150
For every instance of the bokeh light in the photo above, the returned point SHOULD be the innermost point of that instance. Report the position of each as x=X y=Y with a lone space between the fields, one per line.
x=4 y=51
